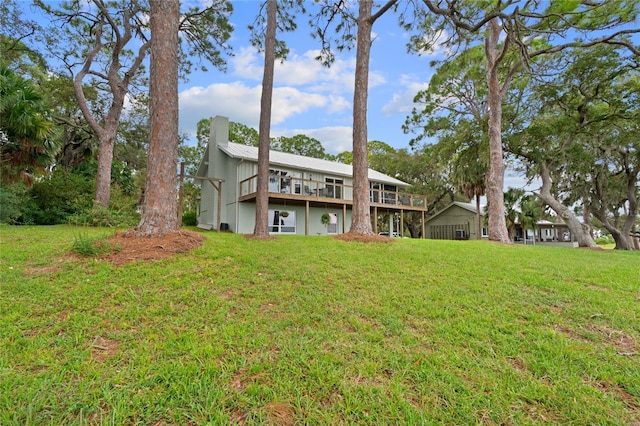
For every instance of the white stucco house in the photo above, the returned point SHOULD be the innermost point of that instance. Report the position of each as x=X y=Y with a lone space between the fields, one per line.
x=301 y=190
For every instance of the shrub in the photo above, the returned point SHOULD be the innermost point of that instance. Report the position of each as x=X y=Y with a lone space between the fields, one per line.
x=99 y=216
x=68 y=197
x=325 y=219
x=62 y=194
x=87 y=246
x=603 y=241
x=14 y=202
x=190 y=218
x=122 y=212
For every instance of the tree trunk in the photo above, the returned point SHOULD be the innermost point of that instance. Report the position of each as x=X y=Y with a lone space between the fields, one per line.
x=495 y=180
x=582 y=234
x=586 y=214
x=621 y=235
x=478 y=216
x=635 y=239
x=622 y=241
x=106 y=142
x=630 y=222
x=119 y=86
x=261 y=229
x=159 y=211
x=103 y=175
x=361 y=214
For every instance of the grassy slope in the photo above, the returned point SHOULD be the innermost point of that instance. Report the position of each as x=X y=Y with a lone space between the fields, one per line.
x=314 y=330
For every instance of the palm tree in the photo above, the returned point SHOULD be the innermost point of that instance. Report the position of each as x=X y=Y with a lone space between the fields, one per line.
x=511 y=199
x=469 y=177
x=26 y=127
x=530 y=212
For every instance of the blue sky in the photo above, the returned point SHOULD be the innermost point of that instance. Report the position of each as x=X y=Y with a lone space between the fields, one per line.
x=309 y=98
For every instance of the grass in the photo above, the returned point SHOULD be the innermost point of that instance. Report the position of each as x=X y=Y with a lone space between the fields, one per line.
x=91 y=246
x=310 y=330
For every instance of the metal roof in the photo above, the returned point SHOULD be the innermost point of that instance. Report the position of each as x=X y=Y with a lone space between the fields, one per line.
x=284 y=159
x=471 y=207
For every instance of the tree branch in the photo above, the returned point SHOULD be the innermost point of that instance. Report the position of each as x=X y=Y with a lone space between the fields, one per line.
x=382 y=10
x=451 y=13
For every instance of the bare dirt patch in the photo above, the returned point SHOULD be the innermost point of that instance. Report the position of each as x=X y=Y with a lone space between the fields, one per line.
x=622 y=341
x=619 y=339
x=40 y=270
x=605 y=387
x=280 y=413
x=130 y=248
x=36 y=271
x=103 y=348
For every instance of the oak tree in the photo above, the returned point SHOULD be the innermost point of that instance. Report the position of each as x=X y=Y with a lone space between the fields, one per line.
x=527 y=30
x=114 y=43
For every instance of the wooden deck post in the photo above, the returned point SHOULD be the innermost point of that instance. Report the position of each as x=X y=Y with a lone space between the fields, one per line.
x=344 y=218
x=375 y=220
x=219 y=188
x=306 y=217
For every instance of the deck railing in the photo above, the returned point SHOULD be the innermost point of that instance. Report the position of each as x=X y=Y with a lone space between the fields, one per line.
x=312 y=189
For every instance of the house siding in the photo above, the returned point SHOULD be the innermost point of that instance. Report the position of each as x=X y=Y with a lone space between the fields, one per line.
x=236 y=165
x=247 y=217
x=454 y=218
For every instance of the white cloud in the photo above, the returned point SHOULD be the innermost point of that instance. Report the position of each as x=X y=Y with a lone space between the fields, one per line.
x=246 y=63
x=335 y=139
x=303 y=70
x=338 y=104
x=302 y=87
x=402 y=101
x=235 y=100
x=288 y=101
x=241 y=103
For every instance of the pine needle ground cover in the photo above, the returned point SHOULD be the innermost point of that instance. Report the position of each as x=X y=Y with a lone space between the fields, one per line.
x=311 y=330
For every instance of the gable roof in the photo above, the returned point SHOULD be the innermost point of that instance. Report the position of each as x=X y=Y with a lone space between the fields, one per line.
x=471 y=207
x=283 y=159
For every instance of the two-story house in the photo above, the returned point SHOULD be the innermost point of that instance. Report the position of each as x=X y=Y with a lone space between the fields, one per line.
x=302 y=190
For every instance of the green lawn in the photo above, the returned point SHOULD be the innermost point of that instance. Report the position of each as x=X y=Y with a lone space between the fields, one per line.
x=310 y=330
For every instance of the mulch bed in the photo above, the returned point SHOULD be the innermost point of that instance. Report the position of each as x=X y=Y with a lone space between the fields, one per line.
x=130 y=248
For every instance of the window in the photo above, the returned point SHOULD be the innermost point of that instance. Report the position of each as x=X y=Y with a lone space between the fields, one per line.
x=389 y=194
x=374 y=192
x=334 y=191
x=296 y=178
x=485 y=232
x=282 y=221
x=279 y=181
